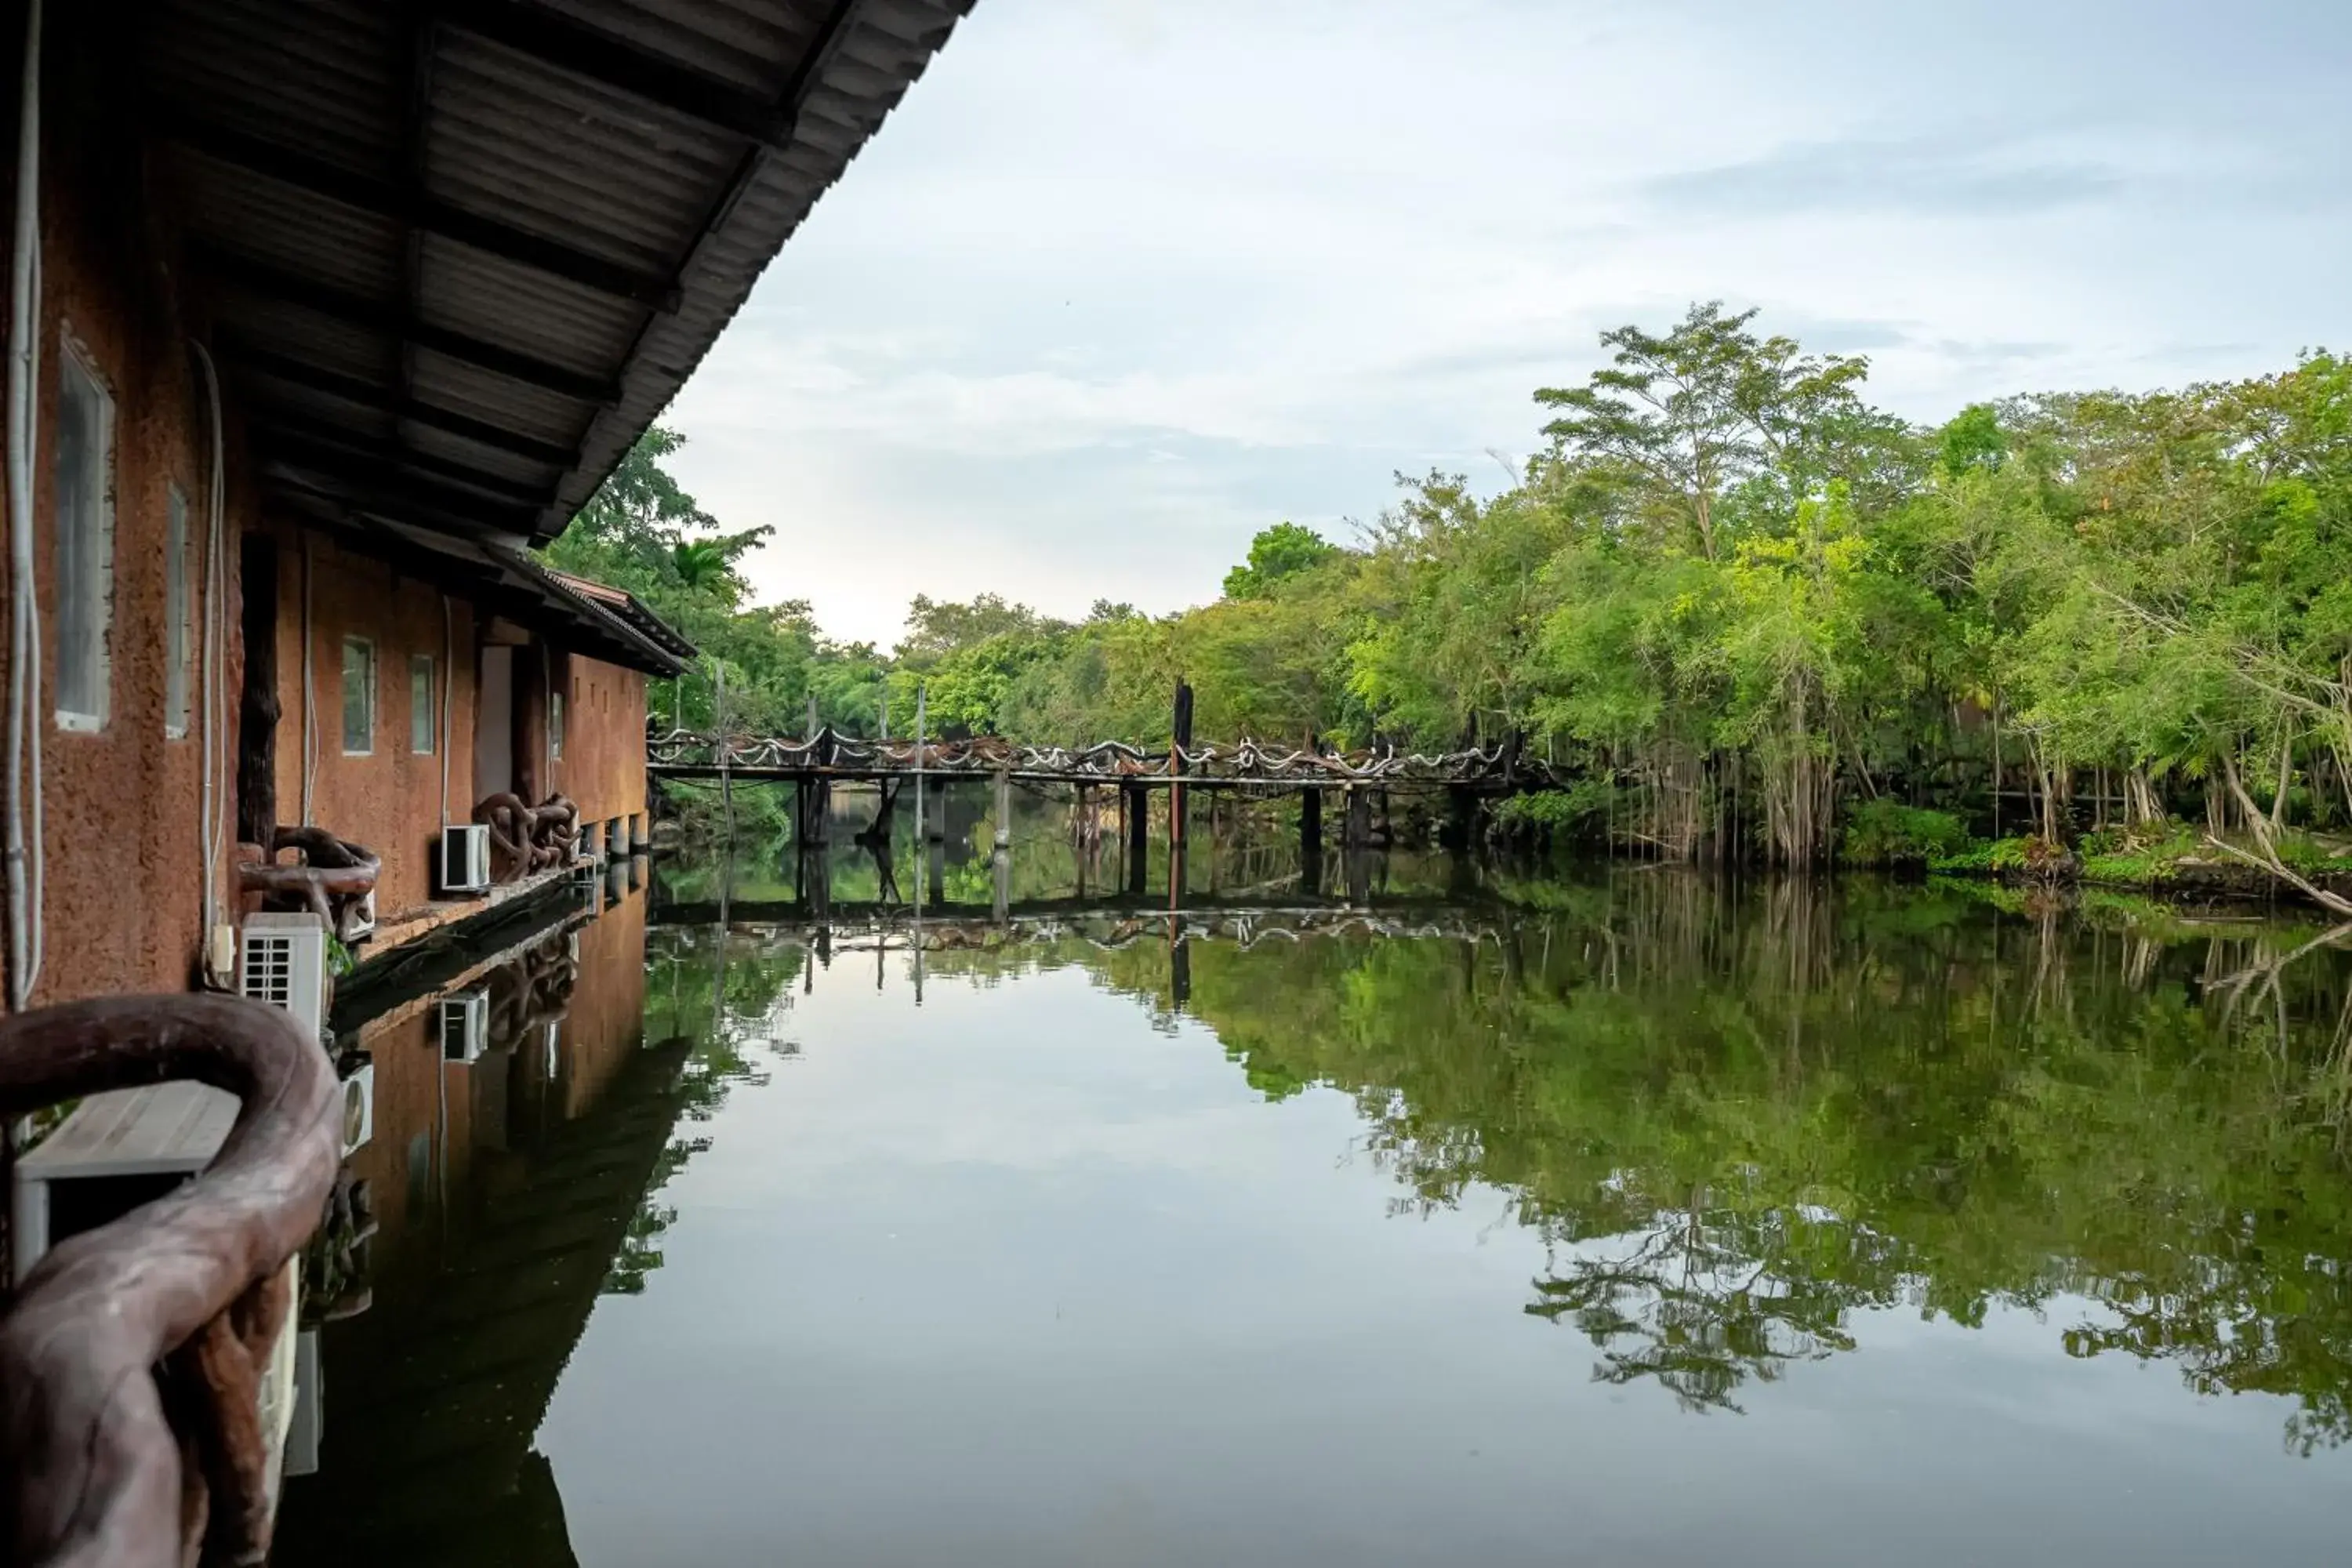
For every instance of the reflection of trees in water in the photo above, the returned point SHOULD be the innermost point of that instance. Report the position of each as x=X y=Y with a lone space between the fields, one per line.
x=721 y=993
x=1703 y=1303
x=1739 y=1118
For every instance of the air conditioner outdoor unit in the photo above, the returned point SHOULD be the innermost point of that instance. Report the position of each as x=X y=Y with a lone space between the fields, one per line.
x=359 y=1107
x=465 y=1026
x=465 y=858
x=360 y=924
x=283 y=962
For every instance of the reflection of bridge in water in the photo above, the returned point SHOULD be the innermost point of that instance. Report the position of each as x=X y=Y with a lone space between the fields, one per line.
x=1105 y=922
x=1108 y=922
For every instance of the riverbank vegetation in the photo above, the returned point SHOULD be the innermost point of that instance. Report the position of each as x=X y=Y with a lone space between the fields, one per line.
x=1757 y=615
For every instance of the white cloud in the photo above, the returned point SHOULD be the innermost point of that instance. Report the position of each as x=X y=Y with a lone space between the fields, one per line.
x=1119 y=285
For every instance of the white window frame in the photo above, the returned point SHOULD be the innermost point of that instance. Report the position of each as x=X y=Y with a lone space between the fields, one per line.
x=367 y=654
x=76 y=373
x=423 y=722
x=179 y=607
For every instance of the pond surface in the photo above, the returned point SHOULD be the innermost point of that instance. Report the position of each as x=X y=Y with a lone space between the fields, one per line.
x=1614 y=1218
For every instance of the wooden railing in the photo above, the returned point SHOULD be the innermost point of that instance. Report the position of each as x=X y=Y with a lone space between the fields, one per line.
x=830 y=753
x=130 y=1362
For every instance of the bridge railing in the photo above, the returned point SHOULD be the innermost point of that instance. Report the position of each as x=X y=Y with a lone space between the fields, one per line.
x=1107 y=762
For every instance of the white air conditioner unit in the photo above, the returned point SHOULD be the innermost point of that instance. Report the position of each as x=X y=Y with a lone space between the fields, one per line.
x=465 y=858
x=465 y=1026
x=360 y=924
x=359 y=1107
x=282 y=960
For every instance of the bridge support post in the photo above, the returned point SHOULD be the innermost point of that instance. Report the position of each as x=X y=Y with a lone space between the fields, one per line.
x=1310 y=823
x=1357 y=830
x=1003 y=808
x=1461 y=817
x=1179 y=741
x=1138 y=813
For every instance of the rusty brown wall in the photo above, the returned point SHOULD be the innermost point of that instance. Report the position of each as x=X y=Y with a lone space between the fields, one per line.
x=604 y=762
x=123 y=910
x=389 y=798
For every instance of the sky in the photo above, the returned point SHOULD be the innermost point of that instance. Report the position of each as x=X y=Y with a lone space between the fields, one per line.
x=1121 y=282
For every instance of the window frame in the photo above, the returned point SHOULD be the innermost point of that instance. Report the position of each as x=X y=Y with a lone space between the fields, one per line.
x=366 y=646
x=76 y=371
x=178 y=605
x=423 y=722
x=555 y=706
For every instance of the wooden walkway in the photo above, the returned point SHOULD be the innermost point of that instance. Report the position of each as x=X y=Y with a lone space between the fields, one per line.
x=830 y=756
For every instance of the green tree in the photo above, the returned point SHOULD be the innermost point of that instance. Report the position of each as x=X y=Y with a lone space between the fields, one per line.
x=1277 y=553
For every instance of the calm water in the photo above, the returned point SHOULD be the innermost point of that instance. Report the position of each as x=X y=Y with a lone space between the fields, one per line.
x=1622 y=1219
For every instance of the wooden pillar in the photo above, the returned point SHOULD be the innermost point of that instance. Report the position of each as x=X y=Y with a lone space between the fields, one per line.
x=726 y=776
x=1461 y=814
x=256 y=749
x=1357 y=827
x=1310 y=822
x=1180 y=731
x=1138 y=835
x=920 y=717
x=1004 y=809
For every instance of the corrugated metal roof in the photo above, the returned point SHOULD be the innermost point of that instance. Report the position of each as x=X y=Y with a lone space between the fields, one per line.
x=461 y=253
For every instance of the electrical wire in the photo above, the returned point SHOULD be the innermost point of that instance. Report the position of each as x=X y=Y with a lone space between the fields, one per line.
x=26 y=873
x=212 y=789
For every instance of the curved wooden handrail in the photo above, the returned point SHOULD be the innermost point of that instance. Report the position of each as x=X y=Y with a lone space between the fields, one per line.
x=529 y=837
x=335 y=879
x=91 y=1466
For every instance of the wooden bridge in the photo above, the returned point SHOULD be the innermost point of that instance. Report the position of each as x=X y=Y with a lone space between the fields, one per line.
x=826 y=757
x=1246 y=764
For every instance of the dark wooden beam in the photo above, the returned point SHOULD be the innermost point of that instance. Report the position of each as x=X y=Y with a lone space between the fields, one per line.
x=583 y=52
x=840 y=19
x=261 y=278
x=304 y=429
x=362 y=393
x=384 y=199
x=364 y=485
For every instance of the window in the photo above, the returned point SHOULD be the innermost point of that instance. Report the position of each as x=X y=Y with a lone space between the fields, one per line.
x=85 y=545
x=420 y=704
x=359 y=697
x=555 y=723
x=176 y=614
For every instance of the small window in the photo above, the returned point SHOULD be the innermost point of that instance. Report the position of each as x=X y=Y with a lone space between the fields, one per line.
x=176 y=617
x=85 y=545
x=555 y=723
x=420 y=704
x=359 y=697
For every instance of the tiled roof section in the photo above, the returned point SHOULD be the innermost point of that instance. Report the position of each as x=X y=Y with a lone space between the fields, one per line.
x=459 y=254
x=502 y=580
x=630 y=608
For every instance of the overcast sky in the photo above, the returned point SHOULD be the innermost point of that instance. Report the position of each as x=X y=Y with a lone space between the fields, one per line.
x=1123 y=282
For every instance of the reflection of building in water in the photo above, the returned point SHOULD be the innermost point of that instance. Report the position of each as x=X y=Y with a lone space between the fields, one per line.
x=507 y=1164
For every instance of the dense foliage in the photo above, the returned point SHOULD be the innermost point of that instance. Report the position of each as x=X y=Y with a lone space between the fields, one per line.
x=1743 y=604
